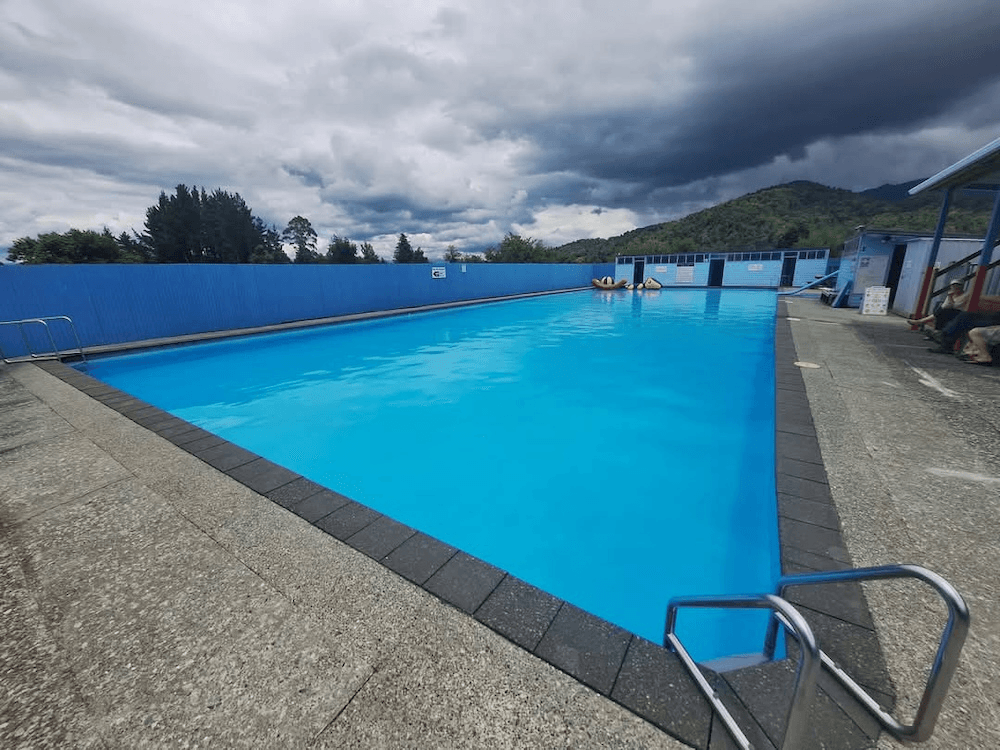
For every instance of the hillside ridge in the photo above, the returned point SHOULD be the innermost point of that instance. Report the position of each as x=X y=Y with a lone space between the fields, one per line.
x=794 y=214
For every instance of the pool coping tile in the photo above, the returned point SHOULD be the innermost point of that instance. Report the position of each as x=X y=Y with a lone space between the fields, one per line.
x=154 y=420
x=811 y=538
x=380 y=537
x=585 y=646
x=347 y=520
x=645 y=678
x=226 y=456
x=199 y=440
x=294 y=492
x=168 y=424
x=319 y=506
x=262 y=476
x=801 y=469
x=802 y=509
x=519 y=611
x=178 y=432
x=464 y=581
x=800 y=447
x=653 y=683
x=419 y=557
x=807 y=489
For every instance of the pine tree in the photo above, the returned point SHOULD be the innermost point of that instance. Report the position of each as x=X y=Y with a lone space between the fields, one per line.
x=300 y=233
x=404 y=252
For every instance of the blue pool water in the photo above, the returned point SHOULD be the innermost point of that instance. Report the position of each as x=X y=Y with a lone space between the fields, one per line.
x=612 y=448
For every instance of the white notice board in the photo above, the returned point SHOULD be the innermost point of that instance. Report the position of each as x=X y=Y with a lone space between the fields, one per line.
x=876 y=301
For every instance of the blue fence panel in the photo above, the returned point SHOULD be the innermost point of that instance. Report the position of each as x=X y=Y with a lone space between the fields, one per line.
x=112 y=304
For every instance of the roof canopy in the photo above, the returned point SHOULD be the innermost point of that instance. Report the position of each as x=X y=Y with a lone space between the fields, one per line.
x=977 y=170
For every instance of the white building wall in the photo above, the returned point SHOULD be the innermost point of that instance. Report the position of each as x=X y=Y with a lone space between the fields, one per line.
x=911 y=277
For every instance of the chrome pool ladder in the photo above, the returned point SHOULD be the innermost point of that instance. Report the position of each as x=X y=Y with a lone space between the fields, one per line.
x=55 y=352
x=812 y=657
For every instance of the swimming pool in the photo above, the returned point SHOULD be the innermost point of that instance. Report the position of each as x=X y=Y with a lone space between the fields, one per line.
x=613 y=449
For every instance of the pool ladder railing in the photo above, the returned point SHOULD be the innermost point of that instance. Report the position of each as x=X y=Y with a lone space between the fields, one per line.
x=55 y=352
x=812 y=658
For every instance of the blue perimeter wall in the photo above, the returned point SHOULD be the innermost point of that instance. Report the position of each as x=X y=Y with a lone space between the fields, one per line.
x=113 y=304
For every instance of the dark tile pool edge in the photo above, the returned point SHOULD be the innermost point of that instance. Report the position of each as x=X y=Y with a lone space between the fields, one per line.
x=641 y=676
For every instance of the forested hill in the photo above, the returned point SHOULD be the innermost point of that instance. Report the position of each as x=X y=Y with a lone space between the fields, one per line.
x=797 y=214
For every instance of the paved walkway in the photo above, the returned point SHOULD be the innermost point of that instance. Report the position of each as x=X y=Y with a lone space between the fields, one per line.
x=911 y=443
x=148 y=600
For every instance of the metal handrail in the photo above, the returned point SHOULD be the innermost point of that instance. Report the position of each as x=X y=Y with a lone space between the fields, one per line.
x=812 y=657
x=44 y=322
x=806 y=672
x=956 y=264
x=945 y=661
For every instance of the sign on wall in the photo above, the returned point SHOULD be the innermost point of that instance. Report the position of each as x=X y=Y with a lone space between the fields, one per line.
x=439 y=272
x=755 y=267
x=685 y=274
x=871 y=271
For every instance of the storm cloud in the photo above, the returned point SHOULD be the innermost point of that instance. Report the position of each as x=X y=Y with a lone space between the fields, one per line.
x=457 y=122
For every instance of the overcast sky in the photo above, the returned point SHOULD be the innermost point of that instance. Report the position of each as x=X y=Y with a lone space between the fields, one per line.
x=458 y=121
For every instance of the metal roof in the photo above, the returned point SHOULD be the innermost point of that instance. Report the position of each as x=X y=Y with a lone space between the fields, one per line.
x=977 y=170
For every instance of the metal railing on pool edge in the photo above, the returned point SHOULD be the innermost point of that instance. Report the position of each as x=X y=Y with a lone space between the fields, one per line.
x=56 y=352
x=806 y=672
x=811 y=656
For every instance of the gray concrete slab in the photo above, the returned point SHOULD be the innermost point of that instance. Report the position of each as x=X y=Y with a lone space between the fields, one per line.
x=150 y=600
x=910 y=444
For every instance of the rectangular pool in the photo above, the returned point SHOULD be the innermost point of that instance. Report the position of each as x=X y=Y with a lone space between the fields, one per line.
x=612 y=448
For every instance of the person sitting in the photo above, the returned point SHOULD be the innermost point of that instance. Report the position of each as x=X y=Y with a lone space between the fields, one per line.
x=964 y=322
x=955 y=302
x=981 y=341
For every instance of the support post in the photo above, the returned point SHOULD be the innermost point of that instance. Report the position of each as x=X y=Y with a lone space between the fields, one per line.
x=928 y=282
x=985 y=256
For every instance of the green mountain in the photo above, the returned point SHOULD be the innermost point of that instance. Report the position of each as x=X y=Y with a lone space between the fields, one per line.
x=797 y=214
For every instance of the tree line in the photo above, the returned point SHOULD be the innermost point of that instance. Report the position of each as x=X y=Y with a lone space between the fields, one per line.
x=195 y=226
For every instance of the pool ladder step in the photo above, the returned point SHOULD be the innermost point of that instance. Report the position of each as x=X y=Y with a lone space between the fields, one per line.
x=54 y=351
x=812 y=659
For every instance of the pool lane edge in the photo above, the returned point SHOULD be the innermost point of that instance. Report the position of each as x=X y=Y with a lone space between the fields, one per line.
x=637 y=674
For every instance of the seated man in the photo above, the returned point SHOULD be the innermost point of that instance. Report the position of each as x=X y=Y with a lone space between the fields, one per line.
x=963 y=323
x=955 y=302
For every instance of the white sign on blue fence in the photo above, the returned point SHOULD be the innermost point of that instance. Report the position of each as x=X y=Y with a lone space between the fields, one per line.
x=439 y=272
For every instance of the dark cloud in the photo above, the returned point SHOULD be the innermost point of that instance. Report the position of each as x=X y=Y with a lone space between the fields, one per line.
x=309 y=177
x=560 y=120
x=778 y=96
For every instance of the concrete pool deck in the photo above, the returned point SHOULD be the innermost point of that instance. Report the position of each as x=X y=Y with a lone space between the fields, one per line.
x=151 y=600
